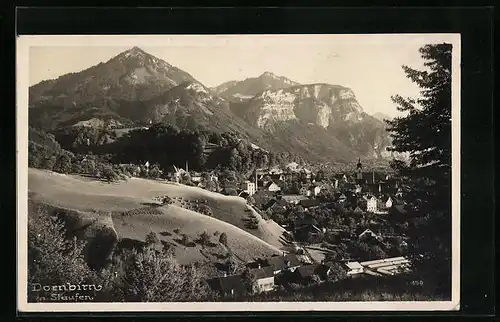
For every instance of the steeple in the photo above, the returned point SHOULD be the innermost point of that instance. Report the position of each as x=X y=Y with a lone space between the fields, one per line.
x=359 y=174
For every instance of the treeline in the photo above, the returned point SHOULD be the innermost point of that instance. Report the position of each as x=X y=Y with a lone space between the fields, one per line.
x=166 y=145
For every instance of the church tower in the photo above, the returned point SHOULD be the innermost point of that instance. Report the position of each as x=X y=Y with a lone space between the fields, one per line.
x=359 y=174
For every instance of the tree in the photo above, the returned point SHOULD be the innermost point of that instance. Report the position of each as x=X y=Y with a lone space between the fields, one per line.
x=185 y=239
x=109 y=174
x=167 y=200
x=249 y=280
x=48 y=162
x=223 y=239
x=155 y=171
x=153 y=276
x=63 y=164
x=337 y=272
x=425 y=135
x=152 y=239
x=52 y=258
x=204 y=238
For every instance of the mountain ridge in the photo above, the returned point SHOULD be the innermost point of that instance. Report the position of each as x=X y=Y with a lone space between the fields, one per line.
x=278 y=113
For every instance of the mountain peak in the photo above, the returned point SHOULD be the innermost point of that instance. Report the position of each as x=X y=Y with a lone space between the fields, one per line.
x=269 y=74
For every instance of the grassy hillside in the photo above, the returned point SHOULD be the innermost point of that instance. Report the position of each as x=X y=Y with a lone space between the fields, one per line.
x=130 y=208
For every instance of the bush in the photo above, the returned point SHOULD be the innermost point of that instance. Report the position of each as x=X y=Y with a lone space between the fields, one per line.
x=177 y=230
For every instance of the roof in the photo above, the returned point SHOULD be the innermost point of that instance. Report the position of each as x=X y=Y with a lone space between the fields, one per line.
x=273 y=202
x=279 y=262
x=354 y=265
x=228 y=283
x=306 y=203
x=270 y=184
x=290 y=198
x=306 y=270
x=263 y=272
x=358 y=210
x=400 y=209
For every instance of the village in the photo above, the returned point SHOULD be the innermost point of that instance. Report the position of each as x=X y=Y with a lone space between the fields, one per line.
x=348 y=225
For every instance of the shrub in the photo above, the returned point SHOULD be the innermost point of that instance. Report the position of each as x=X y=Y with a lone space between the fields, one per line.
x=177 y=230
x=205 y=209
x=109 y=174
x=204 y=238
x=152 y=239
x=167 y=200
x=223 y=239
x=185 y=239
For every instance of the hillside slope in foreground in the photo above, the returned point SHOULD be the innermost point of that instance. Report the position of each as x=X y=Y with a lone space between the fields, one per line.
x=128 y=207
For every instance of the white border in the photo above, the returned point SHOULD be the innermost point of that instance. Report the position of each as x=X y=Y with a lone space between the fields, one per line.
x=22 y=69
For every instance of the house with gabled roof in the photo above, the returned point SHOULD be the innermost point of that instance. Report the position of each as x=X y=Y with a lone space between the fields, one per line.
x=293 y=199
x=231 y=285
x=354 y=268
x=357 y=211
x=288 y=262
x=310 y=203
x=275 y=204
x=314 y=190
x=273 y=187
x=342 y=198
x=264 y=278
x=372 y=204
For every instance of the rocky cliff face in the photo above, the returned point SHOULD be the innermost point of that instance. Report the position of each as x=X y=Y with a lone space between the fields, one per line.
x=331 y=107
x=320 y=104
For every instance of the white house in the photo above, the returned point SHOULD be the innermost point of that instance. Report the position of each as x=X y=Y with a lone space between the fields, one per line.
x=314 y=190
x=292 y=166
x=273 y=187
x=354 y=268
x=367 y=233
x=388 y=203
x=307 y=172
x=342 y=198
x=275 y=170
x=264 y=279
x=371 y=204
x=196 y=177
x=178 y=173
x=249 y=187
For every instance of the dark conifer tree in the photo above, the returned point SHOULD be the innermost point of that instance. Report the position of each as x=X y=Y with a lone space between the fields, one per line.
x=424 y=134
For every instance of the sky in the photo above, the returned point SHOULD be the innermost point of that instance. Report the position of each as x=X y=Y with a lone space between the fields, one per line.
x=368 y=64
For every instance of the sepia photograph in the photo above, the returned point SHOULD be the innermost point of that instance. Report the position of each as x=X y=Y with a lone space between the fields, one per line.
x=238 y=172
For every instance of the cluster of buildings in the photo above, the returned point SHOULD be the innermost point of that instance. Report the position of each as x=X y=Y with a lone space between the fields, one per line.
x=266 y=273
